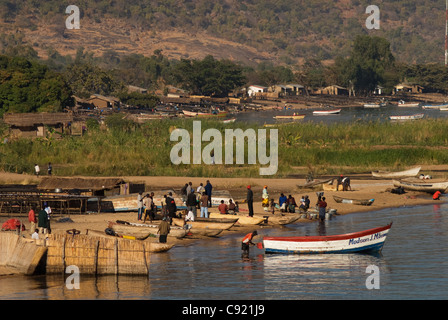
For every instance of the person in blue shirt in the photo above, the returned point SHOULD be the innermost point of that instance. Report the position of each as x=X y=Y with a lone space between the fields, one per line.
x=282 y=202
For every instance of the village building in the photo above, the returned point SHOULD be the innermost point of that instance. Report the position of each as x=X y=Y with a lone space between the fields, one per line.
x=104 y=102
x=296 y=89
x=408 y=88
x=34 y=125
x=333 y=90
x=255 y=90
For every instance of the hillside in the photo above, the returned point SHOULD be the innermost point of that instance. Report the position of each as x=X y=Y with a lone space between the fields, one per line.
x=250 y=31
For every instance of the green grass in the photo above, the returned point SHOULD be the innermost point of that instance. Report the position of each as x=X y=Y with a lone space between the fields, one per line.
x=130 y=149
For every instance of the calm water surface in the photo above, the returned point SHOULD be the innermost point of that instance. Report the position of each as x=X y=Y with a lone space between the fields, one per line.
x=347 y=114
x=413 y=265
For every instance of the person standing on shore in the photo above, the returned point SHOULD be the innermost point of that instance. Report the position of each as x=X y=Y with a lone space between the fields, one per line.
x=32 y=219
x=192 y=202
x=50 y=168
x=250 y=201
x=139 y=206
x=204 y=205
x=164 y=230
x=265 y=197
x=208 y=189
x=43 y=221
x=36 y=169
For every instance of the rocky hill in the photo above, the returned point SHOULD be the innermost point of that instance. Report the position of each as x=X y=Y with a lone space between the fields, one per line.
x=250 y=31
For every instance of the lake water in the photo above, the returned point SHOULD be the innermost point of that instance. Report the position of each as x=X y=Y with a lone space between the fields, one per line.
x=412 y=265
x=347 y=114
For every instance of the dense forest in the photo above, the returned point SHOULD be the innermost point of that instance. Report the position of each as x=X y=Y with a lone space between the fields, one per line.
x=319 y=29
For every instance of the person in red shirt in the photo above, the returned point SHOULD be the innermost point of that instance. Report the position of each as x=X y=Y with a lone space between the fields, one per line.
x=32 y=219
x=436 y=195
x=247 y=240
x=223 y=208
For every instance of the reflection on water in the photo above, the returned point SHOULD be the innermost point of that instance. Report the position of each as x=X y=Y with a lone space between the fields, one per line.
x=413 y=265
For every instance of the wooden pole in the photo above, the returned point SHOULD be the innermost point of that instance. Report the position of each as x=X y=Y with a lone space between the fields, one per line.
x=116 y=255
x=97 y=246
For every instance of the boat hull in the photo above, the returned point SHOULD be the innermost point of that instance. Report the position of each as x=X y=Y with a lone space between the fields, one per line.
x=207 y=223
x=400 y=174
x=371 y=240
x=424 y=187
x=361 y=202
x=326 y=112
x=297 y=117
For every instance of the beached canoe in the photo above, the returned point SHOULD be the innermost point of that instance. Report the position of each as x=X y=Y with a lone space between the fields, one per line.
x=124 y=227
x=278 y=219
x=326 y=112
x=294 y=117
x=409 y=117
x=398 y=174
x=131 y=231
x=371 y=240
x=242 y=219
x=219 y=114
x=152 y=247
x=361 y=202
x=207 y=223
x=422 y=186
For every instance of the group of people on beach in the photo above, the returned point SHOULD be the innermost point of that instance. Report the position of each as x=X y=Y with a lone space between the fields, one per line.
x=40 y=223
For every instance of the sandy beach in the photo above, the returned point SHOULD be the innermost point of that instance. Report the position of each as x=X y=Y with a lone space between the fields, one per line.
x=361 y=189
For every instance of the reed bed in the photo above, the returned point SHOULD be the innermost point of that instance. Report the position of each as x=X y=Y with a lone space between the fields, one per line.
x=144 y=149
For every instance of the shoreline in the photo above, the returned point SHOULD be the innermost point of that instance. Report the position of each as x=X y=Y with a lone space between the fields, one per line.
x=361 y=189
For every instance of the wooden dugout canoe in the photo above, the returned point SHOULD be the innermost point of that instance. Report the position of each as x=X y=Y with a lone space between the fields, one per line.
x=207 y=223
x=294 y=117
x=371 y=240
x=243 y=220
x=278 y=219
x=361 y=202
x=422 y=186
x=141 y=228
x=153 y=247
x=399 y=174
x=128 y=230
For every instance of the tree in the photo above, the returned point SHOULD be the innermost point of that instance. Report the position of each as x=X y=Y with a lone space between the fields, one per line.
x=367 y=64
x=209 y=76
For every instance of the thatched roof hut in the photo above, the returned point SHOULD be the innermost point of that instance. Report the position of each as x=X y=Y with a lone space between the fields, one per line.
x=31 y=119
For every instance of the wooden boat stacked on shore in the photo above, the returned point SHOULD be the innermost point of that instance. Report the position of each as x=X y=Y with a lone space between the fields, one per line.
x=142 y=231
x=371 y=240
x=361 y=202
x=207 y=223
x=153 y=247
x=242 y=219
x=422 y=186
x=219 y=114
x=398 y=174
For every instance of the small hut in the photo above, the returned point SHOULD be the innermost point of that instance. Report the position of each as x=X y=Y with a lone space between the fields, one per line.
x=37 y=124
